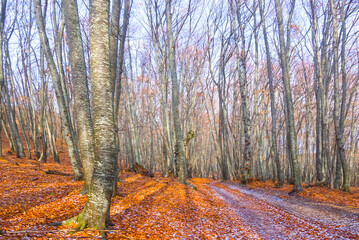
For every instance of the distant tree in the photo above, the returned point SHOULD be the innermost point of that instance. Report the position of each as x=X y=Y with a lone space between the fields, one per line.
x=340 y=99
x=284 y=44
x=4 y=87
x=60 y=95
x=2 y=20
x=179 y=146
x=280 y=174
x=238 y=23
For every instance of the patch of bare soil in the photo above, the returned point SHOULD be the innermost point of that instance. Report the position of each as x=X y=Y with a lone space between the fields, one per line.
x=275 y=215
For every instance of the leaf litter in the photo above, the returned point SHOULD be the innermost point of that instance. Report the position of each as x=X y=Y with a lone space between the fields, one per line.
x=161 y=208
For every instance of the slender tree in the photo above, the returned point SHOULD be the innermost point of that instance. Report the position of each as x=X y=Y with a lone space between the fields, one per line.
x=74 y=158
x=318 y=76
x=179 y=147
x=339 y=101
x=280 y=174
x=284 y=62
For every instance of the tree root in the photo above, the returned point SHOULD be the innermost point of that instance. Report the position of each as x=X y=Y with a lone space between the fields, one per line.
x=65 y=222
x=77 y=219
x=82 y=224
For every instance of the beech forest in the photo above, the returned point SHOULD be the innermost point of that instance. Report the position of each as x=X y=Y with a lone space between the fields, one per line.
x=179 y=119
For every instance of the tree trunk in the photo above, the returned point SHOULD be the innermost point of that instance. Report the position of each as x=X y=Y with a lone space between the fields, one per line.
x=81 y=93
x=59 y=93
x=179 y=147
x=292 y=136
x=4 y=87
x=96 y=211
x=242 y=74
x=280 y=174
x=319 y=97
x=339 y=113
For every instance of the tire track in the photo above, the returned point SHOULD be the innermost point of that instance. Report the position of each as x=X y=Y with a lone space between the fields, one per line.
x=273 y=221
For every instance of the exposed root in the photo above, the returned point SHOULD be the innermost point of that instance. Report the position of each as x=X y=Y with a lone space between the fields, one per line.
x=77 y=219
x=81 y=225
x=65 y=222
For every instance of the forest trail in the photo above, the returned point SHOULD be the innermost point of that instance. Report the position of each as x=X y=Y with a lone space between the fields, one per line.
x=162 y=208
x=273 y=215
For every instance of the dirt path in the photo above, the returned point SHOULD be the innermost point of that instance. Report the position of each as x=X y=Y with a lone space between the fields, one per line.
x=273 y=215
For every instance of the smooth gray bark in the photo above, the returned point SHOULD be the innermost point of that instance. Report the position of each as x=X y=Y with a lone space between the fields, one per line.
x=43 y=156
x=280 y=174
x=339 y=99
x=81 y=90
x=121 y=53
x=96 y=210
x=2 y=20
x=242 y=75
x=179 y=147
x=318 y=77
x=59 y=93
x=284 y=62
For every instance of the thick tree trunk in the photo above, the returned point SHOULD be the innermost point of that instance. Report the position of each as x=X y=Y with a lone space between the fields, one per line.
x=114 y=34
x=81 y=93
x=96 y=210
x=121 y=50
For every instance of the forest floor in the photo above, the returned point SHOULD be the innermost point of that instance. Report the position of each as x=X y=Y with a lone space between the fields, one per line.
x=161 y=208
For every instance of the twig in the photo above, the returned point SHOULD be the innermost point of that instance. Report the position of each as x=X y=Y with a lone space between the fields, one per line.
x=55 y=172
x=68 y=230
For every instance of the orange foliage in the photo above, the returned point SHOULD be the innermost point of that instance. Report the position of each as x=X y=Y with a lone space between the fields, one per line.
x=144 y=208
x=317 y=193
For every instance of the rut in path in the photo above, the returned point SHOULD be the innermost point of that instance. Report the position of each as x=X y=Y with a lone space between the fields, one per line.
x=273 y=217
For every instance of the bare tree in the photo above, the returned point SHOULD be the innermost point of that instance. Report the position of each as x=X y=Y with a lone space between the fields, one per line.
x=339 y=107
x=280 y=175
x=284 y=61
x=81 y=91
x=75 y=161
x=179 y=147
